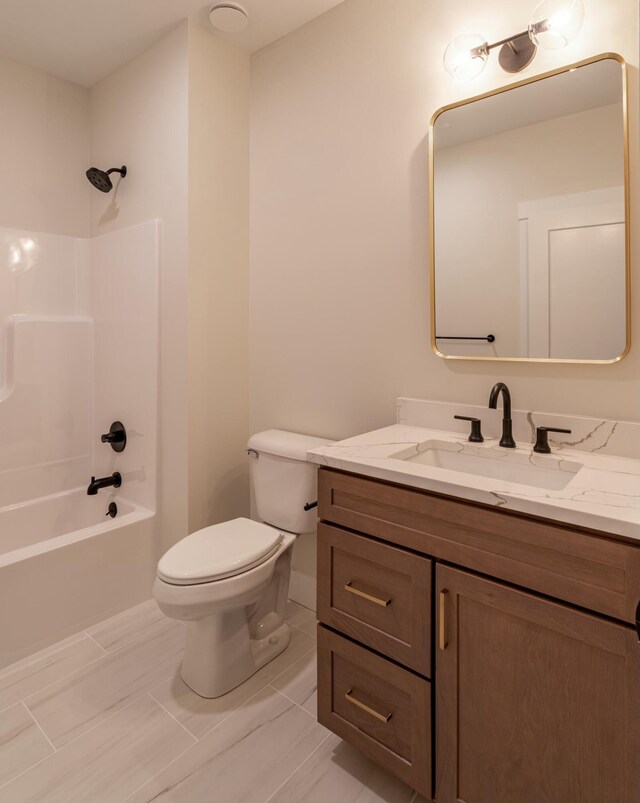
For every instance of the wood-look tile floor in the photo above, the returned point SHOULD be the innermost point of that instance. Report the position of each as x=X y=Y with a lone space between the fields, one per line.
x=103 y=717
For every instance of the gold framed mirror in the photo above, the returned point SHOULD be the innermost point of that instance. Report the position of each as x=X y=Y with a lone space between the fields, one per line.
x=529 y=219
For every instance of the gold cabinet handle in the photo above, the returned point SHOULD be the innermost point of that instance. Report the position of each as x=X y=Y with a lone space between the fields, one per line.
x=351 y=699
x=442 y=622
x=383 y=602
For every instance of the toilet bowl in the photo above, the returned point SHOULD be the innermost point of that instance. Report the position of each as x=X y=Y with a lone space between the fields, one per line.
x=229 y=582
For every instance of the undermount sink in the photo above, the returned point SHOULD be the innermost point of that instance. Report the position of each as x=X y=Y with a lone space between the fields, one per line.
x=550 y=473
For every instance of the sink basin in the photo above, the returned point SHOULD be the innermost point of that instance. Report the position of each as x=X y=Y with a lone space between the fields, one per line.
x=550 y=473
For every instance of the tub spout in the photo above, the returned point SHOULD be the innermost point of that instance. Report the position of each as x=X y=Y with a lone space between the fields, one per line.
x=95 y=485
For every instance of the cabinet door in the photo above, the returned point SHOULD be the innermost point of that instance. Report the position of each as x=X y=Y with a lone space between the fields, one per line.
x=535 y=702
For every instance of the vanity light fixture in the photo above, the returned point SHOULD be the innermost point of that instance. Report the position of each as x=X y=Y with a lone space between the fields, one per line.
x=553 y=24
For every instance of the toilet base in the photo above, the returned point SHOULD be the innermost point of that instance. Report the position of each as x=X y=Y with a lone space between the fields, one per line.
x=234 y=625
x=236 y=657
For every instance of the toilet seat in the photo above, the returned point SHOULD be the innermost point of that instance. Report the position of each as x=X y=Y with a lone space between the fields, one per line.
x=219 y=551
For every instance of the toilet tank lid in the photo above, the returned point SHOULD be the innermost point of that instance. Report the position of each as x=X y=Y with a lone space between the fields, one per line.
x=280 y=443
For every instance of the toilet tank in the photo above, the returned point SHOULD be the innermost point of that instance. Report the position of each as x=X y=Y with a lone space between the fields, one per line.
x=283 y=480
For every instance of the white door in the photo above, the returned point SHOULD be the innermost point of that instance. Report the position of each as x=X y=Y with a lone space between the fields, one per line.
x=573 y=277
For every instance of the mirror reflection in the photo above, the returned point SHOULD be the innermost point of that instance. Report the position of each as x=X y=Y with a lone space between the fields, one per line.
x=529 y=229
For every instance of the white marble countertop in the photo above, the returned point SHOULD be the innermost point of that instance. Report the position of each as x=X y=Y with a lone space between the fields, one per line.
x=603 y=495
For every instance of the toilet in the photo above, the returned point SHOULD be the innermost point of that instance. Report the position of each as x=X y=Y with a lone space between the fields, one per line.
x=229 y=582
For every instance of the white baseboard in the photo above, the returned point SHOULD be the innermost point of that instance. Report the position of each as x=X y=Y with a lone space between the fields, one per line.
x=302 y=589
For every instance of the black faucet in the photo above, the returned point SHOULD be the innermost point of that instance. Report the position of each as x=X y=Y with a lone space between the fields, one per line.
x=507 y=438
x=114 y=480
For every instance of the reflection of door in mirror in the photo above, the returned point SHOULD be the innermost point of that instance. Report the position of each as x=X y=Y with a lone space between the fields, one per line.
x=529 y=219
x=572 y=292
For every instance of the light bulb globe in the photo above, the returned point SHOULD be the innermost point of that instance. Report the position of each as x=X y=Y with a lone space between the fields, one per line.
x=555 y=23
x=465 y=56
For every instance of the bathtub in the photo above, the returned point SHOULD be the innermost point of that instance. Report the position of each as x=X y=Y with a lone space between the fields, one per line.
x=65 y=564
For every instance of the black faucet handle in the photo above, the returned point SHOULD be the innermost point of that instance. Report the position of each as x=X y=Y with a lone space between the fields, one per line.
x=116 y=436
x=476 y=424
x=542 y=438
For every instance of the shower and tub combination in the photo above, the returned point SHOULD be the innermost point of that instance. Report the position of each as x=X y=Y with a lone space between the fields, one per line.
x=79 y=352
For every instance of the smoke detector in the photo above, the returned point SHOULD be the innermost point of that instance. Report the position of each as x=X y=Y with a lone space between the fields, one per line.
x=228 y=18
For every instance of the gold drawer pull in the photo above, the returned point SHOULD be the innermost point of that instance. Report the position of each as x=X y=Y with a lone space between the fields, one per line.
x=442 y=624
x=350 y=699
x=383 y=602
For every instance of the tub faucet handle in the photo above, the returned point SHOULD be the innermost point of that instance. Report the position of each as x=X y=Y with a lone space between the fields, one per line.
x=116 y=436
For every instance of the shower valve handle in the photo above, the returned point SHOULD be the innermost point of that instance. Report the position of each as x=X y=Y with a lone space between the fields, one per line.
x=117 y=436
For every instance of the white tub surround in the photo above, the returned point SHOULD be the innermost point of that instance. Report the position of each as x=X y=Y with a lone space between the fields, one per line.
x=79 y=348
x=603 y=488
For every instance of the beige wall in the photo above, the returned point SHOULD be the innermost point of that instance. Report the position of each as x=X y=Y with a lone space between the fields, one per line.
x=478 y=242
x=339 y=279
x=139 y=118
x=219 y=80
x=44 y=151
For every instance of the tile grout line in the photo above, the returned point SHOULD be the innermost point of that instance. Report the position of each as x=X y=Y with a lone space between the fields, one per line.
x=297 y=627
x=60 y=679
x=39 y=726
x=80 y=736
x=301 y=764
x=67 y=675
x=104 y=650
x=235 y=710
x=97 y=725
x=33 y=658
x=78 y=639
x=304 y=655
x=74 y=638
x=28 y=769
x=163 y=622
x=245 y=702
x=215 y=727
x=77 y=671
x=102 y=721
x=63 y=678
x=153 y=777
x=175 y=719
x=300 y=630
x=292 y=701
x=42 y=760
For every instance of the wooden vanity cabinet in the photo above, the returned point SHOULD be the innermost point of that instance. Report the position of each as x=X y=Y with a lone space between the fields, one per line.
x=517 y=643
x=535 y=702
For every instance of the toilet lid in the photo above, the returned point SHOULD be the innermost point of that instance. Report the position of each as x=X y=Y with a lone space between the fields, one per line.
x=219 y=551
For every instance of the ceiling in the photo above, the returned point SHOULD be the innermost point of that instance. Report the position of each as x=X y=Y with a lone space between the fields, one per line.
x=85 y=40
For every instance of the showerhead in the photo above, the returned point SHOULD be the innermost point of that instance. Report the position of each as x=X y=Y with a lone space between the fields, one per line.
x=100 y=178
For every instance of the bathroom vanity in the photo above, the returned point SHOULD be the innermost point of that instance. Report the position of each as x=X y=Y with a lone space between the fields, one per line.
x=481 y=652
x=479 y=599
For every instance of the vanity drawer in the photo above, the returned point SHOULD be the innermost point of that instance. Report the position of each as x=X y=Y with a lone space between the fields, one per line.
x=583 y=568
x=382 y=709
x=377 y=594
